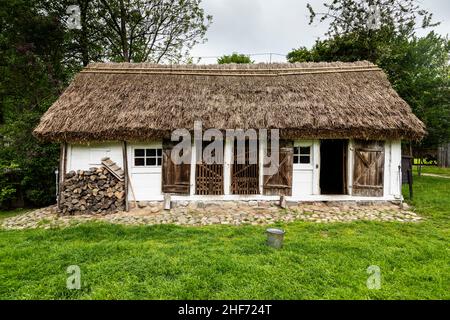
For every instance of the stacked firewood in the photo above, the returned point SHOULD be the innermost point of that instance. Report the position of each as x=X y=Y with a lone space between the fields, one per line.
x=92 y=191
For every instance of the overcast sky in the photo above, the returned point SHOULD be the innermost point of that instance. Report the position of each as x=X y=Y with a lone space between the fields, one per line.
x=277 y=26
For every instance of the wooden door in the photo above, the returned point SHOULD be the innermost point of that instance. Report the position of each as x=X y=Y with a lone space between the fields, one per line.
x=175 y=178
x=245 y=176
x=280 y=183
x=209 y=178
x=368 y=170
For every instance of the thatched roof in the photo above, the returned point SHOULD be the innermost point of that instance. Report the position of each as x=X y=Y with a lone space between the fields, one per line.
x=143 y=101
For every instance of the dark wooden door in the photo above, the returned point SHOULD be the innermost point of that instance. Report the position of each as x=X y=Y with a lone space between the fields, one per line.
x=368 y=170
x=280 y=183
x=175 y=177
x=209 y=178
x=245 y=176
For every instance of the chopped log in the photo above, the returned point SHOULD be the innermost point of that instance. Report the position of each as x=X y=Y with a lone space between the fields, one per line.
x=92 y=191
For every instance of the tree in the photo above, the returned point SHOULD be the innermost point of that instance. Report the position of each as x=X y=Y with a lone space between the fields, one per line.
x=352 y=46
x=33 y=73
x=87 y=41
x=234 y=58
x=364 y=27
x=151 y=30
x=301 y=54
x=132 y=30
x=350 y=16
x=419 y=71
x=84 y=43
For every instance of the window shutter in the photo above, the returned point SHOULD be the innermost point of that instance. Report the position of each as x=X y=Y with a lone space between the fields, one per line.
x=280 y=183
x=368 y=171
x=175 y=177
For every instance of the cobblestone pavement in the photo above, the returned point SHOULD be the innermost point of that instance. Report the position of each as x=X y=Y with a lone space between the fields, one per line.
x=227 y=213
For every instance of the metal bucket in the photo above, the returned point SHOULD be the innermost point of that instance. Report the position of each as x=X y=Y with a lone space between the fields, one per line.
x=275 y=237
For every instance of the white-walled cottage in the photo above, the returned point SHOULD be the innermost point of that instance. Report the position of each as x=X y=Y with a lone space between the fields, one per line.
x=340 y=127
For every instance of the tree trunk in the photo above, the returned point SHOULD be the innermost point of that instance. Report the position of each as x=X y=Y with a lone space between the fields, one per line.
x=83 y=4
x=123 y=32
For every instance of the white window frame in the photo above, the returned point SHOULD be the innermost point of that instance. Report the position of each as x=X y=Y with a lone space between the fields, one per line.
x=145 y=157
x=310 y=165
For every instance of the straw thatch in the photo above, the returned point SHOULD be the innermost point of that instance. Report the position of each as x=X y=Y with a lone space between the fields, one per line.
x=144 y=101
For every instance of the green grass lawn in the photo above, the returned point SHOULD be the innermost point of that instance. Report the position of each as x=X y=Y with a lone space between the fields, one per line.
x=433 y=170
x=319 y=261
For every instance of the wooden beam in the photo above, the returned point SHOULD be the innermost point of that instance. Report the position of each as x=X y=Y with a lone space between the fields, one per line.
x=62 y=171
x=169 y=69
x=219 y=73
x=192 y=186
x=227 y=165
x=125 y=170
x=113 y=168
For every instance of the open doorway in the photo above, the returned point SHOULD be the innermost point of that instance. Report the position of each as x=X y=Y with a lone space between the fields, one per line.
x=333 y=166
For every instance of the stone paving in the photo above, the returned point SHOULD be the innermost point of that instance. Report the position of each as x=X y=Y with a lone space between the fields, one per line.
x=225 y=213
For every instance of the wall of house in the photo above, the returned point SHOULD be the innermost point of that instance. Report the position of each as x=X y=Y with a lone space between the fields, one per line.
x=145 y=181
x=85 y=156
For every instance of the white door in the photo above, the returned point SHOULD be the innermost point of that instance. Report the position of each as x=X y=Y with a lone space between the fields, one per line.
x=145 y=161
x=306 y=168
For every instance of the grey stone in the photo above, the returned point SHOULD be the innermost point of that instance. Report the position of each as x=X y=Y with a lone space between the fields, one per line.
x=203 y=216
x=200 y=205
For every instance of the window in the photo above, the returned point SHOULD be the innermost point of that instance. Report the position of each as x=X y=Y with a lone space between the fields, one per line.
x=302 y=155
x=147 y=157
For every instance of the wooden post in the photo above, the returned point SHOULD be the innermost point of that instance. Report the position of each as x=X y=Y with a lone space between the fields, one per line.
x=125 y=170
x=227 y=165
x=419 y=168
x=193 y=167
x=167 y=201
x=419 y=172
x=62 y=171
x=410 y=183
x=283 y=202
x=443 y=155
